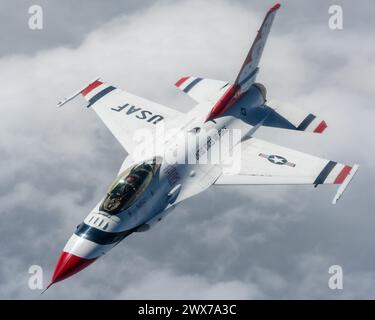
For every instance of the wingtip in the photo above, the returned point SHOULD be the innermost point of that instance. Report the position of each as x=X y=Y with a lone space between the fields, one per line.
x=85 y=90
x=276 y=6
x=321 y=127
x=181 y=81
x=61 y=103
x=345 y=183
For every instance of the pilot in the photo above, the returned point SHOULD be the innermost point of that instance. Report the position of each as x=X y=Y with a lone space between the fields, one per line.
x=127 y=188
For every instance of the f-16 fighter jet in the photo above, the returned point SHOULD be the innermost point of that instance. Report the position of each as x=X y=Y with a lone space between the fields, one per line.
x=226 y=117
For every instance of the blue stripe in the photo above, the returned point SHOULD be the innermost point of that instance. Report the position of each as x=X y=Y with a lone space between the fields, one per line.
x=100 y=236
x=192 y=84
x=249 y=76
x=325 y=172
x=306 y=122
x=100 y=95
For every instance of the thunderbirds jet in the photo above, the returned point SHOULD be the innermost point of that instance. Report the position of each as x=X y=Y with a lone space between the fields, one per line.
x=147 y=189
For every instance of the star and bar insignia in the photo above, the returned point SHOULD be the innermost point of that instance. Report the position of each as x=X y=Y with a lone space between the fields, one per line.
x=275 y=159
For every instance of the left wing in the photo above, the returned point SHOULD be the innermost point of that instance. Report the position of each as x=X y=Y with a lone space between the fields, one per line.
x=267 y=163
x=122 y=112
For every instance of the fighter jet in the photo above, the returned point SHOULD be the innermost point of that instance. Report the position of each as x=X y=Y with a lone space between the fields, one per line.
x=148 y=187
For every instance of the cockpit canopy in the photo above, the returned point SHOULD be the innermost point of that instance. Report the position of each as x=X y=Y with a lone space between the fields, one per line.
x=129 y=186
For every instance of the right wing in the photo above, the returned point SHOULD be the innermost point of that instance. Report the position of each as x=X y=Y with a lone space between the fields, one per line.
x=267 y=163
x=123 y=113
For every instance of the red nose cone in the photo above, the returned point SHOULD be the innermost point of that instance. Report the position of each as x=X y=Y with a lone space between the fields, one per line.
x=68 y=265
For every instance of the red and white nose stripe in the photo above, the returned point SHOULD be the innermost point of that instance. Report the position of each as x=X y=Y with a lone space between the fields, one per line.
x=68 y=265
x=77 y=254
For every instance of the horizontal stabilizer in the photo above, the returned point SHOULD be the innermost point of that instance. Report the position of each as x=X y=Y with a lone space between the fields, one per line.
x=290 y=117
x=200 y=89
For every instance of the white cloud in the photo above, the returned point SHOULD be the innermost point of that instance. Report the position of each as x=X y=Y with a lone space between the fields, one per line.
x=163 y=284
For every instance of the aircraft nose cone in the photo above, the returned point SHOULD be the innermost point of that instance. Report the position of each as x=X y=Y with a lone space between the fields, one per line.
x=69 y=264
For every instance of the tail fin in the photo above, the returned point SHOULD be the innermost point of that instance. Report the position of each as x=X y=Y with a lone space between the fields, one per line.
x=249 y=69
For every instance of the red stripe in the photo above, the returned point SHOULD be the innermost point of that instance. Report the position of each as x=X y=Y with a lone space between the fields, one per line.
x=321 y=127
x=223 y=104
x=275 y=7
x=91 y=87
x=343 y=174
x=181 y=81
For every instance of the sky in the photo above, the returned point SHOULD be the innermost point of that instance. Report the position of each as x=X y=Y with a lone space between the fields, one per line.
x=249 y=242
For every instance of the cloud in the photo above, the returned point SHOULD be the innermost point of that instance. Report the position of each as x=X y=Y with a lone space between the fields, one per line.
x=166 y=285
x=250 y=242
x=63 y=23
